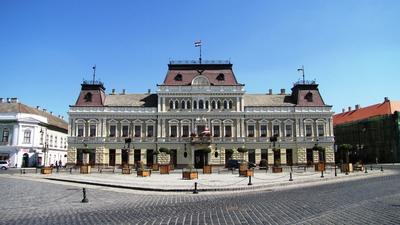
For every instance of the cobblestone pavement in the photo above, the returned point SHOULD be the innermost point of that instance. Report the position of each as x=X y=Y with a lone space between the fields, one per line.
x=367 y=201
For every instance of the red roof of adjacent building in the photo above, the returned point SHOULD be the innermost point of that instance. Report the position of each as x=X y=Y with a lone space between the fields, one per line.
x=385 y=108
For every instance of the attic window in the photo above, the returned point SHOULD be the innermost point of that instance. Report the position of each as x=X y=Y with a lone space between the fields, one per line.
x=221 y=77
x=178 y=77
x=309 y=97
x=88 y=97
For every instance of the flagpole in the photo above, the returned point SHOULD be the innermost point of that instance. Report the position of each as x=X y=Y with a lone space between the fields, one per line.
x=94 y=73
x=200 y=54
x=302 y=69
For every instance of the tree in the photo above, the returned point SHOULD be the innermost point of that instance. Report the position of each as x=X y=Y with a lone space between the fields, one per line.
x=242 y=150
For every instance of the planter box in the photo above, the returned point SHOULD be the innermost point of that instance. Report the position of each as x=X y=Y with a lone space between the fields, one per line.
x=320 y=166
x=207 y=169
x=246 y=173
x=190 y=175
x=164 y=169
x=347 y=167
x=155 y=167
x=277 y=169
x=144 y=173
x=85 y=169
x=46 y=170
x=243 y=166
x=126 y=171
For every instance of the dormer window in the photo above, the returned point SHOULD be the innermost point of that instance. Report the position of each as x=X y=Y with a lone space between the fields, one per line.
x=309 y=97
x=178 y=77
x=221 y=77
x=88 y=97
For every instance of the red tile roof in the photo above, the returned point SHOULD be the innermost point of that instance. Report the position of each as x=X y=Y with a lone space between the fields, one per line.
x=385 y=108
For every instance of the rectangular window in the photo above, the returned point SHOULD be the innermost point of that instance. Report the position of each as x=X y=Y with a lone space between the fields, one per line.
x=92 y=130
x=80 y=130
x=321 y=130
x=308 y=130
x=185 y=131
x=27 y=137
x=173 y=132
x=288 y=130
x=150 y=131
x=55 y=142
x=125 y=131
x=216 y=131
x=137 y=131
x=41 y=137
x=228 y=131
x=5 y=135
x=113 y=130
x=51 y=141
x=250 y=130
x=275 y=130
x=263 y=129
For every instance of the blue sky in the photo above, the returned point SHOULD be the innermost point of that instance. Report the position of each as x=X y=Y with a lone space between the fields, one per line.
x=351 y=48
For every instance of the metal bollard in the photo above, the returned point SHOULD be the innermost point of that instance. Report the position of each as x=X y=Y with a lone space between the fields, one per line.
x=365 y=169
x=249 y=181
x=322 y=174
x=382 y=168
x=370 y=167
x=84 y=200
x=290 y=179
x=335 y=172
x=195 y=188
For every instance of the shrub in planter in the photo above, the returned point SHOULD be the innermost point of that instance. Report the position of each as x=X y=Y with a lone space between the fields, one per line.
x=165 y=150
x=189 y=173
x=263 y=164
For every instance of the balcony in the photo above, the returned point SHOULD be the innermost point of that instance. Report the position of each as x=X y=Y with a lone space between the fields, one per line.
x=200 y=140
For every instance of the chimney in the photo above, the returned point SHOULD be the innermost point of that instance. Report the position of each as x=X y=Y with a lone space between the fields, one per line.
x=8 y=100
x=282 y=91
x=44 y=110
x=270 y=91
x=357 y=107
x=51 y=113
x=123 y=91
x=37 y=107
x=349 y=108
x=113 y=91
x=148 y=91
x=14 y=100
x=343 y=110
x=62 y=117
x=386 y=99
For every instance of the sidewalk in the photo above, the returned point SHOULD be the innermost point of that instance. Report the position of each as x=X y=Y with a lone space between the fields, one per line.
x=223 y=181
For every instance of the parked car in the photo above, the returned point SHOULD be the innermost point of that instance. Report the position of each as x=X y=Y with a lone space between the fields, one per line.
x=235 y=163
x=4 y=165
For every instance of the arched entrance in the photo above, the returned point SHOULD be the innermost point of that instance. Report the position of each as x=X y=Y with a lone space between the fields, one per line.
x=25 y=160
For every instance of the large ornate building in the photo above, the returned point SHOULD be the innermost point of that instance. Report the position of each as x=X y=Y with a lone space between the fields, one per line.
x=198 y=106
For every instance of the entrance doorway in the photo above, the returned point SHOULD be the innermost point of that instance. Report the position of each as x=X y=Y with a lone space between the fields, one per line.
x=228 y=156
x=149 y=157
x=86 y=156
x=321 y=155
x=310 y=157
x=111 y=157
x=125 y=157
x=200 y=159
x=277 y=157
x=173 y=157
x=289 y=157
x=136 y=156
x=252 y=155
x=25 y=160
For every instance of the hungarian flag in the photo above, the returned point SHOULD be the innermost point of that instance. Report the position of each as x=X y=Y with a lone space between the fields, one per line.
x=197 y=43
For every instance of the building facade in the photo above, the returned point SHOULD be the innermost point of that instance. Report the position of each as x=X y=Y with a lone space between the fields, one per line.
x=373 y=131
x=30 y=136
x=197 y=107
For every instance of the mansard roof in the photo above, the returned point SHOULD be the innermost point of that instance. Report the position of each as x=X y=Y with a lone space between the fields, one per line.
x=6 y=107
x=183 y=72
x=139 y=100
x=267 y=100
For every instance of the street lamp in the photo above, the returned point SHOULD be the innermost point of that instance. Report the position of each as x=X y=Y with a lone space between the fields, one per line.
x=45 y=146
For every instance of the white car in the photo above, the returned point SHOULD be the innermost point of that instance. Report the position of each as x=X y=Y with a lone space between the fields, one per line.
x=4 y=165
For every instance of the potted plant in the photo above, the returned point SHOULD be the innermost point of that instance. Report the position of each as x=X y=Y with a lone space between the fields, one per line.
x=142 y=172
x=276 y=168
x=189 y=173
x=85 y=169
x=46 y=170
x=242 y=150
x=126 y=169
x=165 y=168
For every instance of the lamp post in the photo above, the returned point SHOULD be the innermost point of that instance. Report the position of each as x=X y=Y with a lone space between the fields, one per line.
x=45 y=146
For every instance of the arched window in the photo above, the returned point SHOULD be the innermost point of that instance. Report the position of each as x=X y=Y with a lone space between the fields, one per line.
x=207 y=104
x=201 y=104
x=188 y=105
x=221 y=77
x=176 y=104
x=183 y=105
x=88 y=97
x=309 y=97
x=225 y=104
x=178 y=77
x=194 y=104
x=218 y=105
x=200 y=80
x=230 y=105
x=213 y=106
x=171 y=104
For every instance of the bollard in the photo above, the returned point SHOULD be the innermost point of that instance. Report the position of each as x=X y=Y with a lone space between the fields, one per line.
x=370 y=167
x=382 y=168
x=290 y=179
x=335 y=171
x=70 y=170
x=20 y=171
x=249 y=181
x=195 y=188
x=366 y=169
x=57 y=169
x=84 y=200
x=322 y=174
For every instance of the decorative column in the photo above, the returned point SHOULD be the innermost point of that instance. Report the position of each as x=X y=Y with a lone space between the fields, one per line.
x=301 y=156
x=283 y=156
x=118 y=157
x=271 y=159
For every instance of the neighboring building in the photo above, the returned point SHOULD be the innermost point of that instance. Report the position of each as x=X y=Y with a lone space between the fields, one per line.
x=373 y=131
x=30 y=136
x=194 y=101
